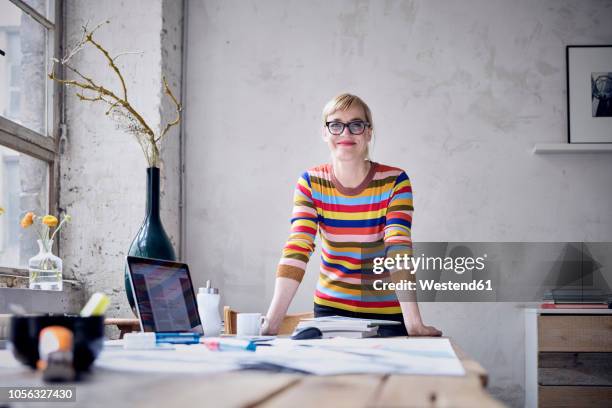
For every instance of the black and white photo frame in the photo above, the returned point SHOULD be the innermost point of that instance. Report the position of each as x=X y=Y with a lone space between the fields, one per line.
x=589 y=93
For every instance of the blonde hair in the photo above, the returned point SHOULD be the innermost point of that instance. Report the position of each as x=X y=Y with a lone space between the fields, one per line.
x=346 y=101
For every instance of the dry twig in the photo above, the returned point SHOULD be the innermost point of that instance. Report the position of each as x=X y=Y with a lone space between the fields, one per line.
x=120 y=108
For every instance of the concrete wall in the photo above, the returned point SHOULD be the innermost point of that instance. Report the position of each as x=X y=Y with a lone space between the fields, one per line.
x=460 y=93
x=45 y=301
x=103 y=169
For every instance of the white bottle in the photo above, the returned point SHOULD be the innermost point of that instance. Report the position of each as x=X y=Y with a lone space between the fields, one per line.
x=208 y=308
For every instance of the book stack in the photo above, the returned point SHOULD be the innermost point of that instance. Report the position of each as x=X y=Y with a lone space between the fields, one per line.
x=575 y=299
x=349 y=327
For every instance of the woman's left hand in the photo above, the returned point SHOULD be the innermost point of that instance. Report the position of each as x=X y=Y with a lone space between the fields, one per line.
x=422 y=330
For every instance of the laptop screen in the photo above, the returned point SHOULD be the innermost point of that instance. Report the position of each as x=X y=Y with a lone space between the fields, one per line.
x=164 y=295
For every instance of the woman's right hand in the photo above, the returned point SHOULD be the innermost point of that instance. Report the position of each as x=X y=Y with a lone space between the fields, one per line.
x=422 y=330
x=284 y=291
x=267 y=329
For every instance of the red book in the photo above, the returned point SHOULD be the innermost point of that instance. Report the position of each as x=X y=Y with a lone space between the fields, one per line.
x=574 y=306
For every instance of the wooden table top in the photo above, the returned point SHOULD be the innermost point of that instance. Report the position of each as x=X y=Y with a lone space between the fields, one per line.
x=264 y=389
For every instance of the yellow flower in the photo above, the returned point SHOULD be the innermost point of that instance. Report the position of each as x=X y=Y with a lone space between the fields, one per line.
x=1 y=210
x=49 y=221
x=27 y=220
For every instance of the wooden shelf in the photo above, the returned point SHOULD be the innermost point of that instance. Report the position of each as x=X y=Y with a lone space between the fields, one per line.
x=556 y=148
x=567 y=357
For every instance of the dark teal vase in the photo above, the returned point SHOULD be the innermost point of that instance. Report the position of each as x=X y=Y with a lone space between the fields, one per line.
x=151 y=240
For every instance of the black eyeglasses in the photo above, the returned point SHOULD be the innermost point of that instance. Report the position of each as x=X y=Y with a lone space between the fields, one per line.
x=356 y=127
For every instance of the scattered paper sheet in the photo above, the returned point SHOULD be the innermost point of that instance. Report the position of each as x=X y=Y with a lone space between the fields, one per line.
x=422 y=356
x=180 y=359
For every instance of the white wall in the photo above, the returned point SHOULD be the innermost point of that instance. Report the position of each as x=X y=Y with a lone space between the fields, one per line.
x=460 y=93
x=103 y=170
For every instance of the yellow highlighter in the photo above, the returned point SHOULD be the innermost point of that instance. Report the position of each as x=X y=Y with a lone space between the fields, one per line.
x=96 y=306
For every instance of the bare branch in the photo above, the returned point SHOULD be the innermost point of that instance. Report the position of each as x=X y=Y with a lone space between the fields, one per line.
x=112 y=106
x=111 y=62
x=82 y=97
x=72 y=82
x=83 y=41
x=104 y=91
x=74 y=70
x=127 y=53
x=126 y=117
x=178 y=108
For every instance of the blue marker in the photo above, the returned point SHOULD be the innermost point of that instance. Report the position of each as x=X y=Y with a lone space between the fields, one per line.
x=177 y=338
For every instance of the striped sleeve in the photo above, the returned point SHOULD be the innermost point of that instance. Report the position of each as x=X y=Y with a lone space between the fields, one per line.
x=398 y=225
x=304 y=224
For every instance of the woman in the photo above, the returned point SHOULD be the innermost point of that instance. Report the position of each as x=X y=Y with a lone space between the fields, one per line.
x=362 y=210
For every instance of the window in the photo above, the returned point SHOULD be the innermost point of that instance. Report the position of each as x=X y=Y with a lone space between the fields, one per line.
x=30 y=117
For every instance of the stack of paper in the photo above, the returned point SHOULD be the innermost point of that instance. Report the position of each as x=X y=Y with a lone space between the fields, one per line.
x=339 y=326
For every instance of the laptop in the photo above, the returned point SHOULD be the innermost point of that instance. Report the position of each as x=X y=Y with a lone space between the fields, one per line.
x=164 y=296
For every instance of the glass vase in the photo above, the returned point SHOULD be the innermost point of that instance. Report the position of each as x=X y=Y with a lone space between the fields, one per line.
x=151 y=241
x=45 y=268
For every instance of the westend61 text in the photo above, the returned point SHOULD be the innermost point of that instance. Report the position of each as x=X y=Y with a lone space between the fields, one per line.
x=478 y=285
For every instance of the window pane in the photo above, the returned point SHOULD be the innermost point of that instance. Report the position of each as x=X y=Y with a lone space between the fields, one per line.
x=23 y=69
x=44 y=7
x=23 y=188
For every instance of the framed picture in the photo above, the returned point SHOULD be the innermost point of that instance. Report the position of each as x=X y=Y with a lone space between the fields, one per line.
x=589 y=93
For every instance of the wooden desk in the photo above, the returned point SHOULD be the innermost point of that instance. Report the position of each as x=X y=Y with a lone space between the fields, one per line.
x=262 y=389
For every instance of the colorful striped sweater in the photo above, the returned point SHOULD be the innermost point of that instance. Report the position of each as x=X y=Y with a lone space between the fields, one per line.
x=355 y=225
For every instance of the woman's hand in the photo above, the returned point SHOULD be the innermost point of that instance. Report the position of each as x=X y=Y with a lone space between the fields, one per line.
x=267 y=329
x=284 y=291
x=422 y=330
x=414 y=323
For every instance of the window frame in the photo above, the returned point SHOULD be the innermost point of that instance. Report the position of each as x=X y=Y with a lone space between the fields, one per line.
x=29 y=142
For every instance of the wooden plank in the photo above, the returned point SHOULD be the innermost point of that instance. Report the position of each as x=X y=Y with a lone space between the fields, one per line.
x=27 y=9
x=219 y=390
x=24 y=140
x=337 y=391
x=592 y=397
x=125 y=325
x=122 y=321
x=434 y=391
x=471 y=366
x=290 y=321
x=118 y=388
x=439 y=391
x=14 y=272
x=575 y=333
x=575 y=369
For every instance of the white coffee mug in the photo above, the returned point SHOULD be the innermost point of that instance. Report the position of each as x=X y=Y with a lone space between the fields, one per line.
x=249 y=324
